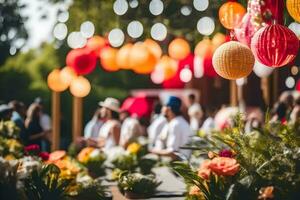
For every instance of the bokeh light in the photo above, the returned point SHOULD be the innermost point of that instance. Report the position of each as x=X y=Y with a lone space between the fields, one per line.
x=290 y=82
x=60 y=31
x=294 y=70
x=63 y=17
x=133 y=4
x=295 y=27
x=156 y=7
x=206 y=26
x=76 y=40
x=240 y=81
x=157 y=76
x=198 y=67
x=87 y=29
x=186 y=75
x=186 y=10
x=201 y=5
x=135 y=29
x=116 y=37
x=120 y=7
x=159 y=31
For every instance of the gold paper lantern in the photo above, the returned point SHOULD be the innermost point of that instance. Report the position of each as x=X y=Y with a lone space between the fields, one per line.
x=67 y=74
x=80 y=87
x=108 y=59
x=218 y=40
x=204 y=48
x=123 y=56
x=55 y=82
x=179 y=49
x=167 y=66
x=293 y=7
x=153 y=47
x=233 y=60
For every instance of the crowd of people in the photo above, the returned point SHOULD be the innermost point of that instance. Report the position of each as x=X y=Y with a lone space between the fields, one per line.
x=169 y=128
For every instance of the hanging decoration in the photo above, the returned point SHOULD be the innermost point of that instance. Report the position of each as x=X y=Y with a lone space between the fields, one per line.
x=95 y=44
x=153 y=47
x=218 y=40
x=233 y=60
x=179 y=49
x=275 y=45
x=55 y=82
x=108 y=59
x=245 y=31
x=204 y=48
x=231 y=14
x=80 y=87
x=293 y=7
x=261 y=70
x=123 y=56
x=168 y=66
x=67 y=74
x=83 y=61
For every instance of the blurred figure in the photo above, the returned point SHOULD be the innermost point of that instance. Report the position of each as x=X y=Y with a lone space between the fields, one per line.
x=156 y=111
x=109 y=133
x=195 y=113
x=35 y=133
x=18 y=117
x=45 y=123
x=295 y=114
x=156 y=126
x=254 y=120
x=287 y=99
x=130 y=129
x=5 y=112
x=176 y=132
x=279 y=112
x=92 y=128
x=209 y=123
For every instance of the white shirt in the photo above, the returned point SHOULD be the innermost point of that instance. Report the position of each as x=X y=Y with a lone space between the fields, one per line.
x=92 y=128
x=129 y=129
x=155 y=129
x=105 y=132
x=174 y=135
x=195 y=112
x=208 y=125
x=45 y=122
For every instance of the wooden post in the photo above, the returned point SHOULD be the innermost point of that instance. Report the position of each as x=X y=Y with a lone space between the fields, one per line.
x=265 y=87
x=55 y=120
x=233 y=93
x=275 y=85
x=77 y=117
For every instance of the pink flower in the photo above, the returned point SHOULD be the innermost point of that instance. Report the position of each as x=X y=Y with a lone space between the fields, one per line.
x=224 y=166
x=226 y=153
x=204 y=171
x=44 y=156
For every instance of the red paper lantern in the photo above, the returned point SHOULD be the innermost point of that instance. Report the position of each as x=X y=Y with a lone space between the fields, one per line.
x=83 y=61
x=179 y=49
x=96 y=44
x=275 y=45
x=108 y=59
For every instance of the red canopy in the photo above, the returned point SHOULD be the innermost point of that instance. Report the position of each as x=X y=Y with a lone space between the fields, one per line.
x=140 y=106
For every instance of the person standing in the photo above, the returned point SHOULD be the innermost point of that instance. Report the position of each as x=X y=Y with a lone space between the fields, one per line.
x=91 y=130
x=195 y=113
x=109 y=133
x=175 y=134
x=18 y=116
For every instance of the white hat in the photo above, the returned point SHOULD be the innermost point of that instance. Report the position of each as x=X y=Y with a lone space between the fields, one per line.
x=110 y=103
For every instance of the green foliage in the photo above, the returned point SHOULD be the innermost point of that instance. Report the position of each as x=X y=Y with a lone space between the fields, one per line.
x=125 y=162
x=136 y=183
x=91 y=191
x=8 y=181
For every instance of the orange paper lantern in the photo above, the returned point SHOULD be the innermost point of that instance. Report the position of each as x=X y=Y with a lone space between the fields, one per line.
x=55 y=82
x=108 y=59
x=168 y=66
x=67 y=74
x=80 y=87
x=96 y=44
x=293 y=7
x=153 y=47
x=179 y=49
x=231 y=14
x=204 y=48
x=218 y=40
x=123 y=56
x=141 y=59
x=233 y=60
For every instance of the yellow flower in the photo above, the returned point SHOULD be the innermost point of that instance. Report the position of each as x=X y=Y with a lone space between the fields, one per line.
x=84 y=154
x=9 y=157
x=134 y=148
x=13 y=144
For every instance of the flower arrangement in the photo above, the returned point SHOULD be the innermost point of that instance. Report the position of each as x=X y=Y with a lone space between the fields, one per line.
x=264 y=164
x=94 y=160
x=136 y=185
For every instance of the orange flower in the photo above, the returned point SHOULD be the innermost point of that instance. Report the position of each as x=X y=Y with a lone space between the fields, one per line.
x=266 y=193
x=194 y=190
x=224 y=166
x=84 y=154
x=204 y=170
x=56 y=155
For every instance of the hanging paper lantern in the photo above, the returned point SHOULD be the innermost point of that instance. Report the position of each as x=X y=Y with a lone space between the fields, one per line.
x=179 y=49
x=275 y=45
x=80 y=87
x=204 y=48
x=245 y=31
x=83 y=61
x=123 y=56
x=233 y=60
x=55 y=82
x=95 y=44
x=262 y=70
x=108 y=59
x=231 y=14
x=168 y=66
x=204 y=67
x=218 y=40
x=141 y=59
x=153 y=47
x=67 y=74
x=293 y=7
